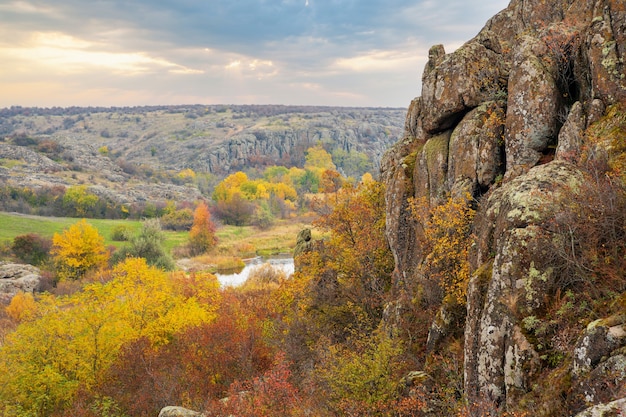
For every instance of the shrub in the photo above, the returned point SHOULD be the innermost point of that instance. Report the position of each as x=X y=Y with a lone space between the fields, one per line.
x=447 y=238
x=121 y=233
x=78 y=250
x=31 y=248
x=237 y=211
x=178 y=220
x=148 y=244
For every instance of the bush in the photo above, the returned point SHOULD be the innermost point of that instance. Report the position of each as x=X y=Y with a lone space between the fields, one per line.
x=178 y=220
x=121 y=233
x=202 y=235
x=148 y=244
x=31 y=248
x=263 y=217
x=237 y=211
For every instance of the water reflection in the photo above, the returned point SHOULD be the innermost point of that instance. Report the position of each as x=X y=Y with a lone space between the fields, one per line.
x=285 y=263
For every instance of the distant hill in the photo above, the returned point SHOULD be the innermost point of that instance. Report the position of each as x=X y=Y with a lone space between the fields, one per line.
x=135 y=154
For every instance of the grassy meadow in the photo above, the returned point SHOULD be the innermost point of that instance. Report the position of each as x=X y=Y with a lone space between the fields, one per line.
x=241 y=241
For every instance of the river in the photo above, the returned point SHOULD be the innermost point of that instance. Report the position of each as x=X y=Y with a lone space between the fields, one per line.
x=285 y=263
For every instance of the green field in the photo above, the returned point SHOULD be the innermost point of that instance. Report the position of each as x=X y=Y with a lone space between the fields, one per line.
x=279 y=239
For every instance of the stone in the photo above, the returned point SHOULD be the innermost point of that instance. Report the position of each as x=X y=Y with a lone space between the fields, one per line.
x=455 y=83
x=173 y=411
x=611 y=409
x=505 y=85
x=475 y=149
x=605 y=43
x=431 y=169
x=599 y=340
x=570 y=139
x=15 y=278
x=497 y=355
x=604 y=382
x=533 y=105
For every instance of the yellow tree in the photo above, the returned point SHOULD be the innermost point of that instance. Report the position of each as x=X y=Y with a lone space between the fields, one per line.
x=79 y=201
x=231 y=185
x=447 y=240
x=78 y=250
x=202 y=233
x=317 y=158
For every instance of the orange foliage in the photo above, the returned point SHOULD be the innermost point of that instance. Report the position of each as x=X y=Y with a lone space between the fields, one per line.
x=202 y=234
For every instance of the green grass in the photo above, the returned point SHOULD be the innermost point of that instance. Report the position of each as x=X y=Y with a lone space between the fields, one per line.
x=279 y=239
x=12 y=225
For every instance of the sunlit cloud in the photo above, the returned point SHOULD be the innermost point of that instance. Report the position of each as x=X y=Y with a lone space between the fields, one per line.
x=376 y=61
x=251 y=67
x=66 y=54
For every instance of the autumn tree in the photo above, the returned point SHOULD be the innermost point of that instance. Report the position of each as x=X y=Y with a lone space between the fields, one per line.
x=447 y=239
x=198 y=365
x=268 y=395
x=318 y=159
x=22 y=306
x=202 y=235
x=78 y=250
x=238 y=197
x=78 y=201
x=348 y=277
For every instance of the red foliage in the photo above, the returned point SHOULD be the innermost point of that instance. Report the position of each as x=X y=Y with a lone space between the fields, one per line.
x=196 y=367
x=268 y=396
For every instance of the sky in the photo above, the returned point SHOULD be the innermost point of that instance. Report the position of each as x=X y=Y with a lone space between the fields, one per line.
x=362 y=53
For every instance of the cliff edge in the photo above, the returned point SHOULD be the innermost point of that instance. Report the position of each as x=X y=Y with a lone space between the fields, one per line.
x=526 y=123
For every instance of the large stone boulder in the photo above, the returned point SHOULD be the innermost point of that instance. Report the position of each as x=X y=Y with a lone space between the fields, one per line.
x=533 y=105
x=475 y=157
x=598 y=341
x=510 y=118
x=15 y=278
x=456 y=82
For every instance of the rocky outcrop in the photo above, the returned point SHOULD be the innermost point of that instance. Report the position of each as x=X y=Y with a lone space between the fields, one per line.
x=498 y=357
x=614 y=408
x=15 y=278
x=27 y=159
x=506 y=118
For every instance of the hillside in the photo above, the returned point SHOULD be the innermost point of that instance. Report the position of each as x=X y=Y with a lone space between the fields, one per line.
x=135 y=154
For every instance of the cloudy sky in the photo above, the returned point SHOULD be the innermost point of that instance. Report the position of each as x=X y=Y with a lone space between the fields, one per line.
x=149 y=52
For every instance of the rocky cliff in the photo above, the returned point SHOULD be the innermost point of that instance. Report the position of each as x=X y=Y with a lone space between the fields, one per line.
x=519 y=118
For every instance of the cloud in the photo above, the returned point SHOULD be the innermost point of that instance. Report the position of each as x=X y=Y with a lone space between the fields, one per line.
x=348 y=52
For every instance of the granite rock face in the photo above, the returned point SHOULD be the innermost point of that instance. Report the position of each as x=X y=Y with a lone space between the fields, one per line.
x=506 y=118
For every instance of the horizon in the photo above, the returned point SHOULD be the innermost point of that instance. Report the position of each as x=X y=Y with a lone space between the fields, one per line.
x=337 y=53
x=148 y=106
